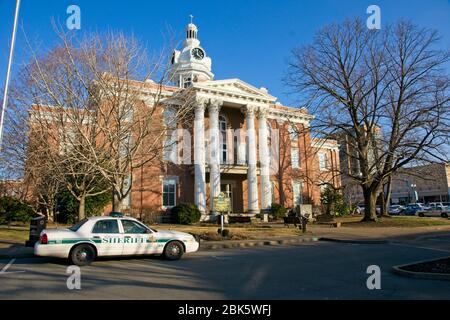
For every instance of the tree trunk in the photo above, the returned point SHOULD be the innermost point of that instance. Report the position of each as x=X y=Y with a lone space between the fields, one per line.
x=387 y=188
x=388 y=193
x=117 y=202
x=82 y=208
x=51 y=215
x=370 y=204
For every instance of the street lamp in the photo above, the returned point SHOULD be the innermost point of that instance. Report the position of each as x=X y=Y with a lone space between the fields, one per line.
x=8 y=71
x=413 y=188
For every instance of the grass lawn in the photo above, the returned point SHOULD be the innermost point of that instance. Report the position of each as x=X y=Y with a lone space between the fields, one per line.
x=13 y=235
x=238 y=233
x=397 y=221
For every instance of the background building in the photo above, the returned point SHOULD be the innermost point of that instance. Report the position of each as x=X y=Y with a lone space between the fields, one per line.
x=427 y=183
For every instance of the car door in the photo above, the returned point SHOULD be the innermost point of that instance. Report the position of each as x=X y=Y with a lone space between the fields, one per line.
x=138 y=239
x=107 y=237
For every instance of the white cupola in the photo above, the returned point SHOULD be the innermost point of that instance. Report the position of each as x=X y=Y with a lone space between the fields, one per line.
x=191 y=63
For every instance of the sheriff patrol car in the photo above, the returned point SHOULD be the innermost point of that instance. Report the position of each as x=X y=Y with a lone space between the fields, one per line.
x=114 y=235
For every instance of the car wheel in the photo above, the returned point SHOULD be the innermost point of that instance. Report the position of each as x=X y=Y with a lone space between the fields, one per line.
x=82 y=255
x=444 y=215
x=173 y=250
x=421 y=215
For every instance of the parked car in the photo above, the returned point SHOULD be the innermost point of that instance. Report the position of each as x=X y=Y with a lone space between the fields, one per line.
x=443 y=212
x=116 y=235
x=361 y=209
x=412 y=208
x=435 y=205
x=396 y=209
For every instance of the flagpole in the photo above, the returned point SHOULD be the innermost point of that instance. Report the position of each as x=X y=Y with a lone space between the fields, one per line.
x=8 y=71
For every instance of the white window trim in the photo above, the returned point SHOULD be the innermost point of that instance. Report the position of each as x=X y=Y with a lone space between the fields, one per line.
x=294 y=182
x=223 y=139
x=297 y=164
x=326 y=162
x=176 y=181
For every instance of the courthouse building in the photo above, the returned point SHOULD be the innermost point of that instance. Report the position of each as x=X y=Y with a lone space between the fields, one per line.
x=245 y=144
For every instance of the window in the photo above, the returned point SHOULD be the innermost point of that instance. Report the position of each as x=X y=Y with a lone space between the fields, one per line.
x=187 y=82
x=170 y=147
x=130 y=226
x=169 y=193
x=126 y=113
x=223 y=133
x=68 y=139
x=106 y=226
x=323 y=162
x=297 y=192
x=170 y=143
x=293 y=133
x=295 y=158
x=77 y=226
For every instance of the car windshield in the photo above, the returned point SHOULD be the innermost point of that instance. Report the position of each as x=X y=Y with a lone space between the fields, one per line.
x=77 y=226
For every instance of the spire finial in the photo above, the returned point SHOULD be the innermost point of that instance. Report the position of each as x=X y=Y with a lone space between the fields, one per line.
x=192 y=17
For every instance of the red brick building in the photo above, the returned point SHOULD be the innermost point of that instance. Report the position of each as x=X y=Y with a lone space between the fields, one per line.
x=241 y=142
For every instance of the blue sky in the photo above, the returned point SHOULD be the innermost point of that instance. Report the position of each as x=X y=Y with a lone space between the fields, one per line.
x=247 y=39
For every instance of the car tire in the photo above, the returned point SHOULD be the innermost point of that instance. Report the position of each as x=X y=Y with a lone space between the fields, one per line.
x=82 y=255
x=173 y=250
x=421 y=215
x=444 y=215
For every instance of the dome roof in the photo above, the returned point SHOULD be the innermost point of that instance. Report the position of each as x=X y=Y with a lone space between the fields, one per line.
x=192 y=27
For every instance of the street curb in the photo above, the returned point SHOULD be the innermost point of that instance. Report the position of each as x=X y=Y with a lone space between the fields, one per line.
x=255 y=243
x=354 y=241
x=420 y=275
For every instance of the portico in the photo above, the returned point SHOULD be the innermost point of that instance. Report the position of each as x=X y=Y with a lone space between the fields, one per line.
x=219 y=99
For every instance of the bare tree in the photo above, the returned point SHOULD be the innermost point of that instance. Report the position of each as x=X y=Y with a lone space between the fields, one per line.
x=385 y=90
x=94 y=114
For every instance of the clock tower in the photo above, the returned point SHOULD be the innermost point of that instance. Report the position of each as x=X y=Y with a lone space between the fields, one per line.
x=191 y=63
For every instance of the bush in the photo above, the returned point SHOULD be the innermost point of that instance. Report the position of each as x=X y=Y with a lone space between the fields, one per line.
x=278 y=211
x=12 y=209
x=225 y=233
x=67 y=206
x=186 y=213
x=334 y=202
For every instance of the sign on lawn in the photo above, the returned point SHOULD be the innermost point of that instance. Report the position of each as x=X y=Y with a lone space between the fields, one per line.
x=222 y=203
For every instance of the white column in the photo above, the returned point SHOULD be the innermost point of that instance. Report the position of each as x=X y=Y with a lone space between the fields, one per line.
x=264 y=160
x=252 y=180
x=199 y=156
x=215 y=150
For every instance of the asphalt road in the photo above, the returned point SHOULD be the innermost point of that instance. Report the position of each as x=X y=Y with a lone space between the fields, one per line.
x=309 y=271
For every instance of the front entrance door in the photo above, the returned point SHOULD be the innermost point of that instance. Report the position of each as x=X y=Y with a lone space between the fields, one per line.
x=227 y=188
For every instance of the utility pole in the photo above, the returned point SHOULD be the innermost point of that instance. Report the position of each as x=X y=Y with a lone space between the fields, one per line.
x=8 y=71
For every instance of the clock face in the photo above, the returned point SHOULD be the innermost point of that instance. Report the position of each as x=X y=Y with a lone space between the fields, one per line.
x=198 y=53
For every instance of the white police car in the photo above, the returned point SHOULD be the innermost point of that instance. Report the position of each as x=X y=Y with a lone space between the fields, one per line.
x=114 y=235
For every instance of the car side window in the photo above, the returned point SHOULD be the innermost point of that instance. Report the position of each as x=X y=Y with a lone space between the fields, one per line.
x=130 y=226
x=106 y=226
